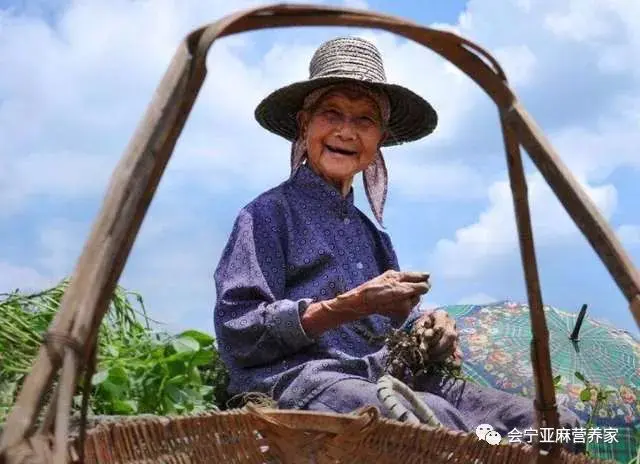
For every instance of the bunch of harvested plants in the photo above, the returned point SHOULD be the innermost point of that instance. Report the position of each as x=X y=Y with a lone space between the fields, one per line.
x=409 y=352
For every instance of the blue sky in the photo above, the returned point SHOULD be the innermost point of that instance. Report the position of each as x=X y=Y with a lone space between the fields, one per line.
x=77 y=76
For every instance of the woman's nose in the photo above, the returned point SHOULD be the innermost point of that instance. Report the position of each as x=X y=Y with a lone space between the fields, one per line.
x=346 y=130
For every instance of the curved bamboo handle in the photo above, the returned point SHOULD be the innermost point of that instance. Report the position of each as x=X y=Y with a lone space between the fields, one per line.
x=388 y=389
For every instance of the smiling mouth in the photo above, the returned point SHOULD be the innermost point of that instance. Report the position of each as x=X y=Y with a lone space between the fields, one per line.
x=341 y=151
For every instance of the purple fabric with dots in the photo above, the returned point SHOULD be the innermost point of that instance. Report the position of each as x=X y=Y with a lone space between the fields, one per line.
x=296 y=243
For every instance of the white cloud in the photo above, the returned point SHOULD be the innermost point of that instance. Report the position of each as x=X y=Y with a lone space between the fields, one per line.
x=593 y=150
x=24 y=278
x=520 y=64
x=171 y=264
x=359 y=4
x=629 y=234
x=60 y=246
x=61 y=174
x=592 y=155
x=584 y=20
x=494 y=235
x=596 y=152
x=436 y=181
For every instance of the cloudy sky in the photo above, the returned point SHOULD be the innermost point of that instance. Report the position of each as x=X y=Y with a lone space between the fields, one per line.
x=76 y=76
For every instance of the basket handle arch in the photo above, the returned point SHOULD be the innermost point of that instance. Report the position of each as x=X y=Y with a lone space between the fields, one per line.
x=138 y=173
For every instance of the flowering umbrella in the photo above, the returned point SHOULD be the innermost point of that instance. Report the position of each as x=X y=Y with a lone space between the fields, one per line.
x=496 y=339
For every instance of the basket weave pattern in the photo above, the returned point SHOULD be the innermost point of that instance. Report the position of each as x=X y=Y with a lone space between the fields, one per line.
x=254 y=436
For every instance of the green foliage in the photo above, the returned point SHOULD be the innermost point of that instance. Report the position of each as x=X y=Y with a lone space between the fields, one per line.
x=138 y=371
x=597 y=396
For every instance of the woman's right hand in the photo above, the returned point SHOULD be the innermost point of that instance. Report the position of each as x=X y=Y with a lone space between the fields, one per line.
x=392 y=294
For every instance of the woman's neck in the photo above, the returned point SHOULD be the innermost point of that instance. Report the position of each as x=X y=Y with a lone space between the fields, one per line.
x=342 y=185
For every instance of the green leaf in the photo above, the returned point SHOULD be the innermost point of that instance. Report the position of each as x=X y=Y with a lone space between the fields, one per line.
x=202 y=357
x=191 y=395
x=112 y=351
x=175 y=368
x=175 y=394
x=579 y=376
x=185 y=345
x=202 y=338
x=206 y=390
x=115 y=390
x=125 y=407
x=585 y=395
x=99 y=377
x=195 y=377
x=177 y=380
x=557 y=379
x=118 y=376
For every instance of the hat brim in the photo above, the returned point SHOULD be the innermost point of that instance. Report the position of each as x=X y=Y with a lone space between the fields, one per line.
x=411 y=116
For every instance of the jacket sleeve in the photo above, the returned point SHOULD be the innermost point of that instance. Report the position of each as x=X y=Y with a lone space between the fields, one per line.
x=255 y=325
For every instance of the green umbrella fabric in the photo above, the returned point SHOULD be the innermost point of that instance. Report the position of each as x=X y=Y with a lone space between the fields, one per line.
x=496 y=339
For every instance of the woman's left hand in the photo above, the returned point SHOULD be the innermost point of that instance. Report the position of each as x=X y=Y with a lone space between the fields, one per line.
x=446 y=344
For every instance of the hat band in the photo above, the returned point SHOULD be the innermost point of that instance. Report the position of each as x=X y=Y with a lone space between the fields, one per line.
x=361 y=74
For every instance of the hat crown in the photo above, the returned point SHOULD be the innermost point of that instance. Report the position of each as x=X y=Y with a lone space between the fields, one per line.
x=348 y=57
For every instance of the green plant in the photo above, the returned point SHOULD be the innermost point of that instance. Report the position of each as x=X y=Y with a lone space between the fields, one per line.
x=161 y=376
x=138 y=370
x=595 y=396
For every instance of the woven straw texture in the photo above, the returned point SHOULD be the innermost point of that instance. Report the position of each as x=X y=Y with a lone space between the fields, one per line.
x=254 y=436
x=349 y=59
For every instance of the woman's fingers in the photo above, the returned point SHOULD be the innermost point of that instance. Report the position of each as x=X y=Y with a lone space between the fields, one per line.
x=410 y=289
x=392 y=292
x=413 y=276
x=401 y=307
x=404 y=307
x=446 y=342
x=444 y=348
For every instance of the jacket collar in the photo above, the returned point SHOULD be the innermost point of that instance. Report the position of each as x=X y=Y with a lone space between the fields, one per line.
x=311 y=184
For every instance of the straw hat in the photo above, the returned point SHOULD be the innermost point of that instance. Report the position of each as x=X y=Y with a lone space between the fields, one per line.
x=348 y=59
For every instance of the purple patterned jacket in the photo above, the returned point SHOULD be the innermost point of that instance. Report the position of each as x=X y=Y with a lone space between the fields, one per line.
x=297 y=243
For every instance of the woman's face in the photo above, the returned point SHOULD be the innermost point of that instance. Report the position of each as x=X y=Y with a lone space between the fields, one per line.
x=343 y=133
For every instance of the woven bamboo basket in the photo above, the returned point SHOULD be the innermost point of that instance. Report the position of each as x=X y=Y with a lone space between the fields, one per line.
x=35 y=434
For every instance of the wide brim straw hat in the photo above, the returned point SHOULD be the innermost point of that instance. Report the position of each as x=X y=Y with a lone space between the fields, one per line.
x=349 y=59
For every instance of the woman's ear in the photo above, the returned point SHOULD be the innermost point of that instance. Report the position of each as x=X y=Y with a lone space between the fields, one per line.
x=302 y=119
x=385 y=134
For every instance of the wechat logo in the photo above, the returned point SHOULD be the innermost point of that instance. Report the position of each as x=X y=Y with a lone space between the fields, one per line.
x=485 y=432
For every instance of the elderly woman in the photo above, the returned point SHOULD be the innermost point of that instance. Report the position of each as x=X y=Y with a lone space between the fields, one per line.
x=307 y=284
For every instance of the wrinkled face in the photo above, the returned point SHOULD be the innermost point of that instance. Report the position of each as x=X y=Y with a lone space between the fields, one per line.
x=343 y=133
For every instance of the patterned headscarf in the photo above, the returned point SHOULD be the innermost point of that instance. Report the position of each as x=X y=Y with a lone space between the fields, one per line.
x=374 y=176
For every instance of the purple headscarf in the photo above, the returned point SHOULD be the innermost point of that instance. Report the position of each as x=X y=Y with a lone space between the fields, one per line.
x=375 y=176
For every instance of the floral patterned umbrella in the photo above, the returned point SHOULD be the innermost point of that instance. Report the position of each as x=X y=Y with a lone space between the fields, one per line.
x=496 y=341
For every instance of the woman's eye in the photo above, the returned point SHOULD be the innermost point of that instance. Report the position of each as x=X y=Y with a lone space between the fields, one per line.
x=366 y=121
x=333 y=114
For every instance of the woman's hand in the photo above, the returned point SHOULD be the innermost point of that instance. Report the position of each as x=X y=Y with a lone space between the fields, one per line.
x=392 y=294
x=445 y=343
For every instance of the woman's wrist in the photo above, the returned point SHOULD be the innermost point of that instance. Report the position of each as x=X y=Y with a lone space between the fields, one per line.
x=324 y=315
